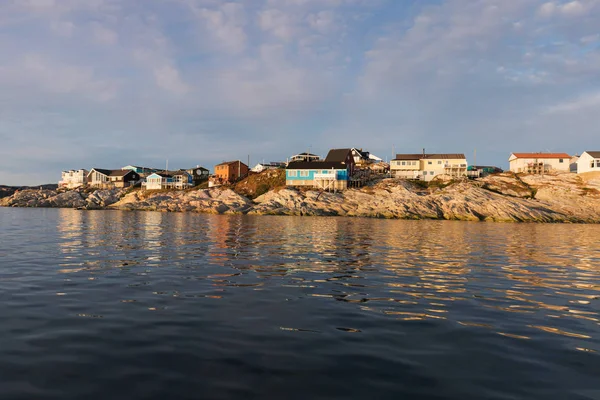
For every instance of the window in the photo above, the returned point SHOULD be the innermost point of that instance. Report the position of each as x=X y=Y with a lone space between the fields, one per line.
x=414 y=163
x=431 y=173
x=429 y=162
x=597 y=163
x=292 y=173
x=439 y=162
x=424 y=173
x=560 y=160
x=304 y=173
x=403 y=162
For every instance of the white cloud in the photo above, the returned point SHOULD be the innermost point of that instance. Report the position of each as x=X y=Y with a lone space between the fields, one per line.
x=590 y=101
x=104 y=35
x=167 y=77
x=226 y=23
x=63 y=28
x=278 y=23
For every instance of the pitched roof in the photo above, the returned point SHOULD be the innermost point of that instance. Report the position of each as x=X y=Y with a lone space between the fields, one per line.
x=106 y=172
x=316 y=165
x=449 y=156
x=230 y=162
x=541 y=155
x=306 y=154
x=595 y=154
x=121 y=172
x=337 y=155
x=168 y=174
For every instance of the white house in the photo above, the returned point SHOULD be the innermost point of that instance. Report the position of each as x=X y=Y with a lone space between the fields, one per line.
x=260 y=167
x=168 y=180
x=589 y=161
x=539 y=163
x=73 y=178
x=427 y=166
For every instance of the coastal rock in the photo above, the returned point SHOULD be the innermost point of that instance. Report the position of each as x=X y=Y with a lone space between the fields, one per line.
x=503 y=197
x=213 y=201
x=61 y=199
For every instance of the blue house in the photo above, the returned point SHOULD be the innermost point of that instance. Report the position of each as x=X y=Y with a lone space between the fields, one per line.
x=141 y=170
x=329 y=175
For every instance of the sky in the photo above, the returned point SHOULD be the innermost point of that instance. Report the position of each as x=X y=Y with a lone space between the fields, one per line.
x=107 y=83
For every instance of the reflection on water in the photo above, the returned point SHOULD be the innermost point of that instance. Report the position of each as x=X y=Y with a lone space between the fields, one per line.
x=351 y=305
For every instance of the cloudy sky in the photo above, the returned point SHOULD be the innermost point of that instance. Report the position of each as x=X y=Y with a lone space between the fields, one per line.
x=106 y=83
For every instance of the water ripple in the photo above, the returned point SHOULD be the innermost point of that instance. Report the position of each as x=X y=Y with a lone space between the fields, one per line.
x=136 y=305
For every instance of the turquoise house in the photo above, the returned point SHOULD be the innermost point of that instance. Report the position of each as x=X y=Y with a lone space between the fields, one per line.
x=319 y=174
x=141 y=170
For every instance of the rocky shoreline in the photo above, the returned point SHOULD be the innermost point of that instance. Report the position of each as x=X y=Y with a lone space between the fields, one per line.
x=501 y=198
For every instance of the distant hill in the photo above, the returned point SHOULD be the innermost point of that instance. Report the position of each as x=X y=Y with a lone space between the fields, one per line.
x=6 y=191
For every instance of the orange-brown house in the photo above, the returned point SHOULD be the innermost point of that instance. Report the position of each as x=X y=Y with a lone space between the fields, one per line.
x=230 y=171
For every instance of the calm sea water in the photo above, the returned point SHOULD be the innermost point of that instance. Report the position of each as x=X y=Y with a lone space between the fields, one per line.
x=142 y=305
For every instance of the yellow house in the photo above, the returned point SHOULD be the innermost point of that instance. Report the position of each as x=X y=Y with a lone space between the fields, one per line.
x=427 y=166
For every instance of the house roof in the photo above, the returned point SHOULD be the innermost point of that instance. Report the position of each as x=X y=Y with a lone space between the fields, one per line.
x=409 y=156
x=594 y=154
x=337 y=155
x=306 y=154
x=121 y=172
x=168 y=174
x=106 y=172
x=231 y=162
x=363 y=154
x=455 y=156
x=316 y=165
x=541 y=155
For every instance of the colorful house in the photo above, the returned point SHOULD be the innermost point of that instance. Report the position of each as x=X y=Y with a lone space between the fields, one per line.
x=319 y=174
x=230 y=171
x=331 y=174
x=539 y=163
x=168 y=180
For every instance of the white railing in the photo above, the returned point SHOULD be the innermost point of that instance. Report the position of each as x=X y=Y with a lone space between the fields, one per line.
x=330 y=176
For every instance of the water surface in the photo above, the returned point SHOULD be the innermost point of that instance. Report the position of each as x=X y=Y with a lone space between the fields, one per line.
x=132 y=305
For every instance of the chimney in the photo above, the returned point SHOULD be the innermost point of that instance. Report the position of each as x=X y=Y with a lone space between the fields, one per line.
x=423 y=152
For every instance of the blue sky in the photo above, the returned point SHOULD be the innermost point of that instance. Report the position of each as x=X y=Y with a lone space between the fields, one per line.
x=106 y=83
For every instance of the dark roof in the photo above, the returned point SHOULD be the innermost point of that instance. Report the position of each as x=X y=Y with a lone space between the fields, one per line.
x=121 y=172
x=316 y=165
x=408 y=156
x=106 y=172
x=168 y=174
x=595 y=154
x=231 y=162
x=306 y=154
x=363 y=154
x=337 y=155
x=194 y=168
x=450 y=156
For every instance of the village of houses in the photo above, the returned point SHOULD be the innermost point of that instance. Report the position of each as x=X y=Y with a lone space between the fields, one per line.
x=339 y=170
